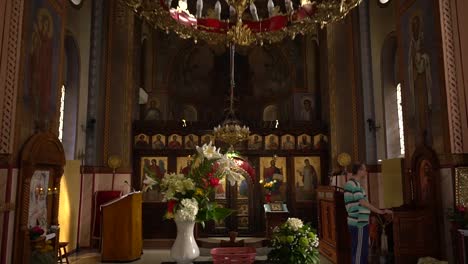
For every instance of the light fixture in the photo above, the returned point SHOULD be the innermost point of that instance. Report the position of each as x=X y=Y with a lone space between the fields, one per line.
x=244 y=26
x=231 y=130
x=383 y=3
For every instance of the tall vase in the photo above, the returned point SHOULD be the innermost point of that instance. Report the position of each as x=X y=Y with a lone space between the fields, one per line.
x=185 y=248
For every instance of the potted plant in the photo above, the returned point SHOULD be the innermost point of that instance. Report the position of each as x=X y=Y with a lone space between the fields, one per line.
x=294 y=242
x=189 y=196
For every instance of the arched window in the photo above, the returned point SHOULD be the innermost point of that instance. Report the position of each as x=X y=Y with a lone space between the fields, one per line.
x=391 y=90
x=270 y=113
x=400 y=120
x=69 y=97
x=62 y=110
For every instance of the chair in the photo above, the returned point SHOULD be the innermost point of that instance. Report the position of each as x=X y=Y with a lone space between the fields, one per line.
x=60 y=256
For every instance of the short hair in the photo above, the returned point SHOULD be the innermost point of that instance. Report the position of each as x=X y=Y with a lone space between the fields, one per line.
x=356 y=167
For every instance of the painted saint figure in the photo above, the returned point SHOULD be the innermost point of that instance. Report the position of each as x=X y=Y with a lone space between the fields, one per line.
x=419 y=71
x=309 y=176
x=288 y=144
x=190 y=143
x=304 y=143
x=174 y=144
x=306 y=111
x=256 y=143
x=272 y=144
x=41 y=65
x=273 y=173
x=158 y=144
x=141 y=142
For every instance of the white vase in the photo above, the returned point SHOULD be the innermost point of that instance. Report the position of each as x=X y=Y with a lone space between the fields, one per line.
x=185 y=248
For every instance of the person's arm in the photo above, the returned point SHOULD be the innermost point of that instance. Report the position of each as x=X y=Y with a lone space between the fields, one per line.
x=369 y=206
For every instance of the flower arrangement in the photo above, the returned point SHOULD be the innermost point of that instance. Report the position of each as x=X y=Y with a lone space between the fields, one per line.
x=459 y=215
x=269 y=186
x=294 y=242
x=35 y=232
x=188 y=196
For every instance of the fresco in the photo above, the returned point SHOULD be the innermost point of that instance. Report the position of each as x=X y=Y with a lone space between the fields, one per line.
x=419 y=65
x=43 y=56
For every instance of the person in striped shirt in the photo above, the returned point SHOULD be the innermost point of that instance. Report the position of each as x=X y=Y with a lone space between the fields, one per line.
x=359 y=209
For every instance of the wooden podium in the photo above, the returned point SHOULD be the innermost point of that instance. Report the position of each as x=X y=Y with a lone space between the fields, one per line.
x=333 y=227
x=121 y=237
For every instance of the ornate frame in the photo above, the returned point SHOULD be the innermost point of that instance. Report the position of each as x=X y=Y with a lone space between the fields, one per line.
x=42 y=151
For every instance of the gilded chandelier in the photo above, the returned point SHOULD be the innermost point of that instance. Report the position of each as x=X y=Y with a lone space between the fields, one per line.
x=231 y=130
x=244 y=26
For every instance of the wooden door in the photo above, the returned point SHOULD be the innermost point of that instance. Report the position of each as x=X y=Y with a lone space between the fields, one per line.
x=239 y=199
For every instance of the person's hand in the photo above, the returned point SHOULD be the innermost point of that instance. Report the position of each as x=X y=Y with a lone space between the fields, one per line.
x=386 y=211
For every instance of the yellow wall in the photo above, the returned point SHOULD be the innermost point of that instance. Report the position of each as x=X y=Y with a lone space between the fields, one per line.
x=70 y=203
x=392 y=184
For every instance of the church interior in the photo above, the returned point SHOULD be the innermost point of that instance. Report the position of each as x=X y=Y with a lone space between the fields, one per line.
x=110 y=110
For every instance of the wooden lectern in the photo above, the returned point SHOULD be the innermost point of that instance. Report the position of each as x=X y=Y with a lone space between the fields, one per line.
x=333 y=226
x=121 y=237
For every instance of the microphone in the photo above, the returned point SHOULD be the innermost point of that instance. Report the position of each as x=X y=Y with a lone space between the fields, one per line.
x=131 y=188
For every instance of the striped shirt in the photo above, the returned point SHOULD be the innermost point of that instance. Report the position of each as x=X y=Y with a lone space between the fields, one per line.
x=358 y=215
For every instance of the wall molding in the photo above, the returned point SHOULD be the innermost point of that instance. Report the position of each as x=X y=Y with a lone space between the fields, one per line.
x=9 y=72
x=450 y=71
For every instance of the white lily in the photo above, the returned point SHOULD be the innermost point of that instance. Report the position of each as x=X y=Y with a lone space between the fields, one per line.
x=227 y=167
x=209 y=151
x=148 y=183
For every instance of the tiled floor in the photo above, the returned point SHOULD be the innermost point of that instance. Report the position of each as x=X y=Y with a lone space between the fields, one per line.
x=153 y=256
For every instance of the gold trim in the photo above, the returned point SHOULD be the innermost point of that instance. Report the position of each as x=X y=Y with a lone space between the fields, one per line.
x=461 y=185
x=325 y=13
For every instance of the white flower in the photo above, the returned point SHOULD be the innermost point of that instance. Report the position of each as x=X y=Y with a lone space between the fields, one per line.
x=209 y=151
x=228 y=168
x=294 y=223
x=148 y=183
x=188 y=210
x=172 y=184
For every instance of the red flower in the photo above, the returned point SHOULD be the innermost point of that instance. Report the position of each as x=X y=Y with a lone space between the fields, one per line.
x=37 y=230
x=214 y=181
x=170 y=206
x=461 y=208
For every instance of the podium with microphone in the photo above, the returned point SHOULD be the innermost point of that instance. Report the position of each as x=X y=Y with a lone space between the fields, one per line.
x=121 y=237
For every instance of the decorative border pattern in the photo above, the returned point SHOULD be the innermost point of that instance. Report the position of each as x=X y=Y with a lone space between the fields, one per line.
x=454 y=115
x=10 y=90
x=461 y=185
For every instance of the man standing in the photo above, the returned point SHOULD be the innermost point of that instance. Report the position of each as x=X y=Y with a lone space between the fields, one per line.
x=359 y=208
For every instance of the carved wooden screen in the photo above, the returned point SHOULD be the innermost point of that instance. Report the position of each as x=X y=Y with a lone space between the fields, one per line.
x=41 y=169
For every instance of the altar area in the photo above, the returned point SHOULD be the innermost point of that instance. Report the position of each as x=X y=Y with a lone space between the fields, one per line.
x=152 y=256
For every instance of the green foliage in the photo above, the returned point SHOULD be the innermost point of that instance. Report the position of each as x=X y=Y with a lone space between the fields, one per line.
x=298 y=247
